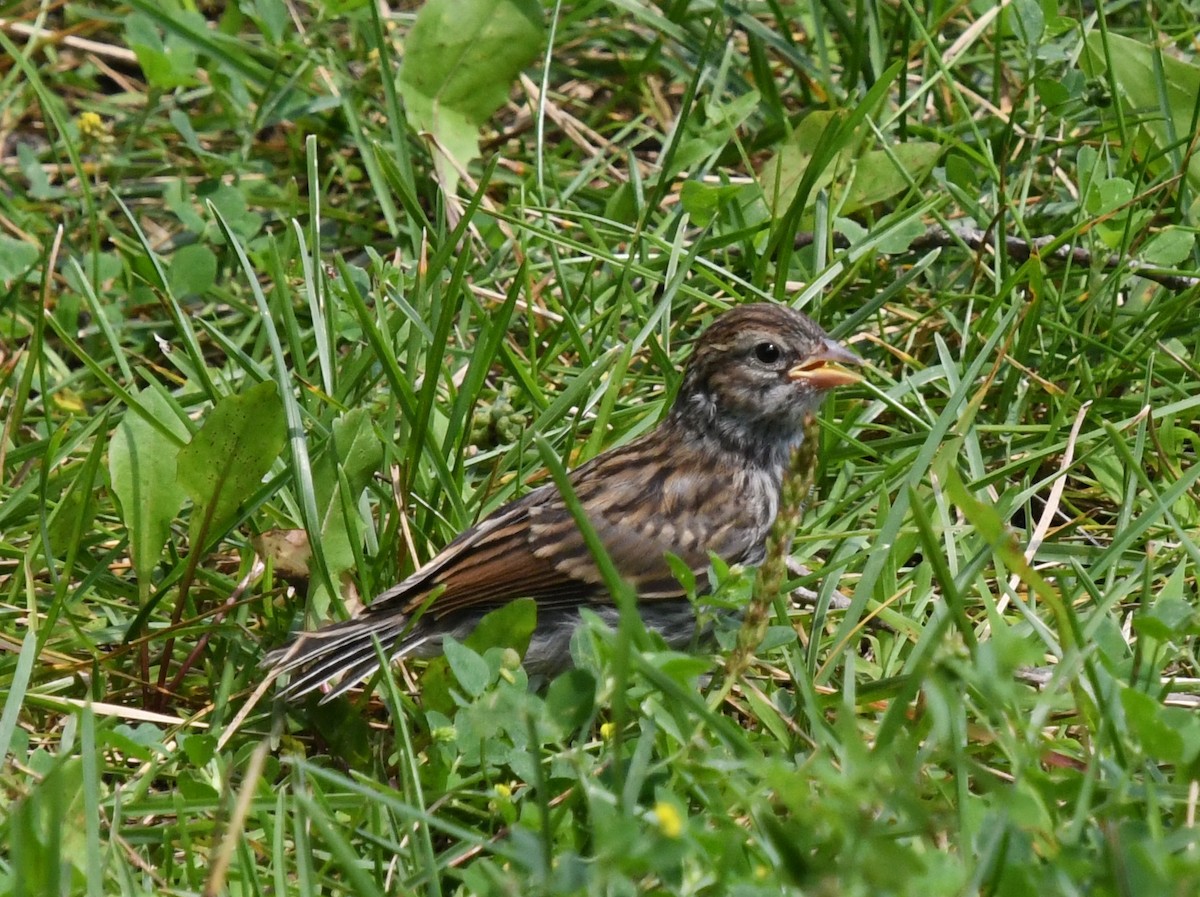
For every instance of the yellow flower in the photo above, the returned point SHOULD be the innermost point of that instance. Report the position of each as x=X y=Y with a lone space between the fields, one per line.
x=93 y=127
x=670 y=823
x=607 y=730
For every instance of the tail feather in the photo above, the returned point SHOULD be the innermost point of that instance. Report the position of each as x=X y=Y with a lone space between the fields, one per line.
x=345 y=649
x=351 y=665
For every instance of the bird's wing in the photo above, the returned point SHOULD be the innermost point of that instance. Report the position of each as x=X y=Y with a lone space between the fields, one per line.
x=641 y=506
x=489 y=564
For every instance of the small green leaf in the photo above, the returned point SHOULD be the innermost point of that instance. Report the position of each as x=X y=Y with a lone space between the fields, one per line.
x=704 y=201
x=271 y=16
x=1170 y=246
x=166 y=65
x=510 y=626
x=1051 y=92
x=142 y=466
x=897 y=238
x=854 y=232
x=1025 y=21
x=17 y=258
x=358 y=453
x=1161 y=623
x=571 y=699
x=200 y=749
x=231 y=203
x=469 y=668
x=962 y=172
x=192 y=786
x=1171 y=616
x=1106 y=467
x=1145 y=718
x=710 y=133
x=38 y=184
x=683 y=668
x=192 y=272
x=73 y=505
x=45 y=829
x=622 y=204
x=1108 y=195
x=177 y=197
x=227 y=459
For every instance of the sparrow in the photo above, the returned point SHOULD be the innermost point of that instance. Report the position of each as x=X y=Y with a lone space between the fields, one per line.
x=707 y=479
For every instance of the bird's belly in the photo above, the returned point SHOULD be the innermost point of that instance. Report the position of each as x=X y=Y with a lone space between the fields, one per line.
x=549 y=648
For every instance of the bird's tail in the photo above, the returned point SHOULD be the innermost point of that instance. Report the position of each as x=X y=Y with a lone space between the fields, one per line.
x=344 y=649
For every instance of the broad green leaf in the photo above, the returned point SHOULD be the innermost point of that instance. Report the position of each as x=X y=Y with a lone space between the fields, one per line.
x=1171 y=616
x=874 y=177
x=37 y=180
x=1106 y=467
x=72 y=517
x=272 y=17
x=459 y=62
x=227 y=459
x=1168 y=619
x=896 y=239
x=880 y=175
x=142 y=465
x=962 y=172
x=177 y=196
x=1108 y=195
x=199 y=747
x=1146 y=80
x=75 y=503
x=786 y=169
x=45 y=830
x=1024 y=20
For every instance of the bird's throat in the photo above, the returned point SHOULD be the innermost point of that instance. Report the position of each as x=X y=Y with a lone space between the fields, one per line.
x=730 y=444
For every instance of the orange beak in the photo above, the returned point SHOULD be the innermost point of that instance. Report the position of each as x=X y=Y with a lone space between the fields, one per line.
x=825 y=368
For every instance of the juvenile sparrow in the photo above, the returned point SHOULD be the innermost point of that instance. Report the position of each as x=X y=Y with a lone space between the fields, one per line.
x=706 y=479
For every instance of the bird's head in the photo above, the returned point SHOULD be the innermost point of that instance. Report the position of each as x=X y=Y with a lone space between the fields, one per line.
x=756 y=373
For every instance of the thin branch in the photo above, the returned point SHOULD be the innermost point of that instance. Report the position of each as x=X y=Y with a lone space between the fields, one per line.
x=1044 y=248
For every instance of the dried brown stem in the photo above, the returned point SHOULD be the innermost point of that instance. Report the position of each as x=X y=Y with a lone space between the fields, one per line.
x=773 y=573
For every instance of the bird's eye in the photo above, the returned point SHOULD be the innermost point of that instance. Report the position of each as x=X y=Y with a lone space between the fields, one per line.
x=767 y=353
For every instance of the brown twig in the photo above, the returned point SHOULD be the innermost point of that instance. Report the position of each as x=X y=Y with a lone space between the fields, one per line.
x=1045 y=249
x=1048 y=249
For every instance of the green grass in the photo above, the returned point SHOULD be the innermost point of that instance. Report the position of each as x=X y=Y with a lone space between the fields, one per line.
x=1004 y=705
